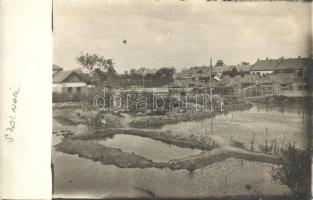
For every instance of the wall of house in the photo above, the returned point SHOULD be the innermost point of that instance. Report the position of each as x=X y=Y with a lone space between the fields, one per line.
x=57 y=87
x=261 y=72
x=63 y=88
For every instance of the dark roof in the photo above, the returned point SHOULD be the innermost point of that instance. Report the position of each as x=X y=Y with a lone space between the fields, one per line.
x=221 y=69
x=62 y=75
x=282 y=63
x=265 y=65
x=193 y=72
x=243 y=68
x=293 y=63
x=56 y=67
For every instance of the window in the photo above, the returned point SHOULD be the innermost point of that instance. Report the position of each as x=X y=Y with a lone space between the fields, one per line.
x=78 y=90
x=69 y=90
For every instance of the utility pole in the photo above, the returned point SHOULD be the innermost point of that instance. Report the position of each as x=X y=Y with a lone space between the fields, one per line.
x=211 y=99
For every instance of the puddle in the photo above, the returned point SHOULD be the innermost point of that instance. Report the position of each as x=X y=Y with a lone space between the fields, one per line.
x=147 y=147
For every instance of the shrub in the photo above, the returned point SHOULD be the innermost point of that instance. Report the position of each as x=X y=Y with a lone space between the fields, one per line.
x=296 y=173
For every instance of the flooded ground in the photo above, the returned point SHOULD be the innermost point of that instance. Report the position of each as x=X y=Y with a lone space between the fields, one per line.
x=146 y=147
x=75 y=176
x=257 y=126
x=79 y=177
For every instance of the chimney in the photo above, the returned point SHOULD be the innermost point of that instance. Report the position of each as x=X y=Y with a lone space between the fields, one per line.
x=299 y=56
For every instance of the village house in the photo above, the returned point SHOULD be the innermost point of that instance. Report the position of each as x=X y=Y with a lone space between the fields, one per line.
x=222 y=75
x=291 y=73
x=56 y=69
x=281 y=74
x=192 y=77
x=264 y=67
x=68 y=82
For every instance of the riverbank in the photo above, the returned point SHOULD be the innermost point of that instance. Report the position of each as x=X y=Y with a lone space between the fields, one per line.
x=112 y=156
x=106 y=155
x=173 y=118
x=203 y=142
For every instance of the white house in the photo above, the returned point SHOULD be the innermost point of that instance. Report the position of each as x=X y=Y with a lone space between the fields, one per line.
x=68 y=82
x=264 y=67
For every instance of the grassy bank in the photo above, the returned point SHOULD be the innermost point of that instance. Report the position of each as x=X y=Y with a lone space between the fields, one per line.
x=203 y=142
x=106 y=155
x=112 y=156
x=173 y=118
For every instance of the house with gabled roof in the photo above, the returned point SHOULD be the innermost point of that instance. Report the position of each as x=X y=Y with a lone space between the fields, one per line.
x=264 y=67
x=56 y=69
x=291 y=73
x=282 y=73
x=192 y=77
x=68 y=82
x=292 y=65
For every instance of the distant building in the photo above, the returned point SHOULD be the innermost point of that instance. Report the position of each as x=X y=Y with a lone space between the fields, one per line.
x=245 y=68
x=68 y=82
x=140 y=90
x=282 y=73
x=56 y=69
x=291 y=74
x=264 y=67
x=222 y=69
x=192 y=77
x=292 y=65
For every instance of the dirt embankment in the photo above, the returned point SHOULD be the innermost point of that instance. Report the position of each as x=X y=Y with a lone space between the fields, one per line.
x=173 y=118
x=106 y=155
x=113 y=156
x=203 y=142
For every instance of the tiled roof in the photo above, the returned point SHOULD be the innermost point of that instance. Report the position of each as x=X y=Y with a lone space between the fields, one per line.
x=61 y=76
x=193 y=71
x=265 y=65
x=221 y=69
x=56 y=67
x=243 y=68
x=293 y=63
x=282 y=63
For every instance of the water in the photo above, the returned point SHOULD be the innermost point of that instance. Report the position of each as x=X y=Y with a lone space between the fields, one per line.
x=83 y=178
x=79 y=177
x=148 y=148
x=259 y=124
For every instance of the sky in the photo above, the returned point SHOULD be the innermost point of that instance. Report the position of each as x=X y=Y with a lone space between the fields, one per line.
x=181 y=34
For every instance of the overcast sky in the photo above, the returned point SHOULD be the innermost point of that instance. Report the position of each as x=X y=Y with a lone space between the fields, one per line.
x=178 y=33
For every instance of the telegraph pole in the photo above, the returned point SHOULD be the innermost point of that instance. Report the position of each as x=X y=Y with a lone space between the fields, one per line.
x=211 y=99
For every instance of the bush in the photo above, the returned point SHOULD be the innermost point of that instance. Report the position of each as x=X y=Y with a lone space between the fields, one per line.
x=296 y=173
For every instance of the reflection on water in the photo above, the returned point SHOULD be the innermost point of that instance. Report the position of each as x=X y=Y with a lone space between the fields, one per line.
x=148 y=148
x=289 y=109
x=260 y=125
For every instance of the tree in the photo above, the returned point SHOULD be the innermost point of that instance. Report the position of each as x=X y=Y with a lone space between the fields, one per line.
x=233 y=72
x=219 y=63
x=91 y=62
x=100 y=67
x=245 y=63
x=165 y=73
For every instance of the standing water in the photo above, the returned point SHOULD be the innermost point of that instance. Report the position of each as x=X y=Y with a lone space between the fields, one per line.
x=147 y=147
